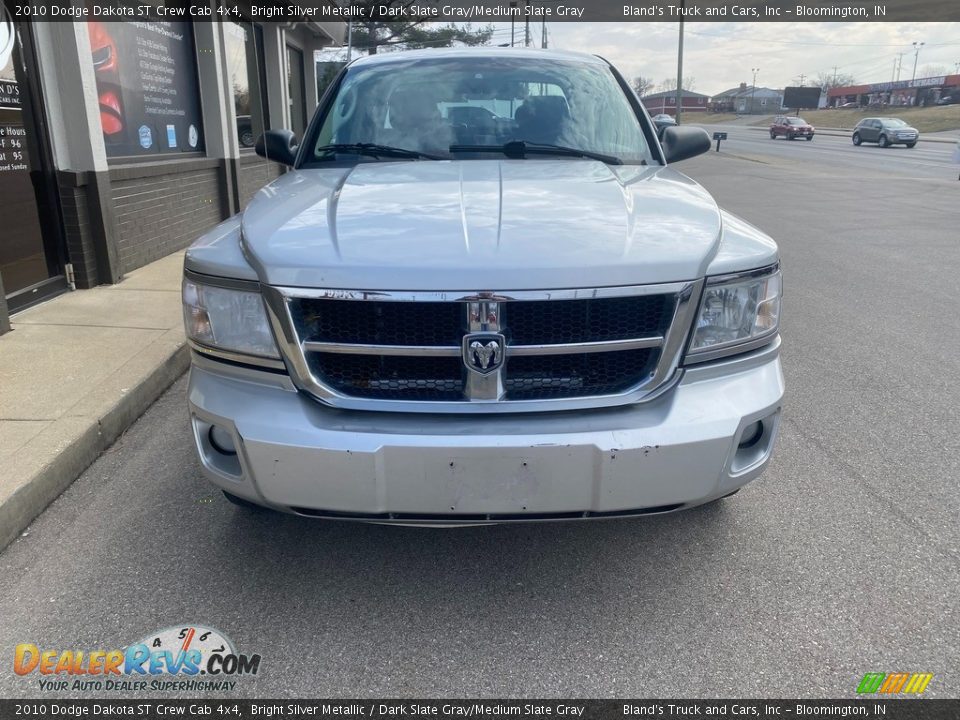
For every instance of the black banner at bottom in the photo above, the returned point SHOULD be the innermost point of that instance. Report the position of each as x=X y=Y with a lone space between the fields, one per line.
x=285 y=709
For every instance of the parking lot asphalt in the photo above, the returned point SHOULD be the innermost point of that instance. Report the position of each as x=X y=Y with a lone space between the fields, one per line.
x=844 y=558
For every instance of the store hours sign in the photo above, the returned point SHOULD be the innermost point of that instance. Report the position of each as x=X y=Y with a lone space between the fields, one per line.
x=147 y=87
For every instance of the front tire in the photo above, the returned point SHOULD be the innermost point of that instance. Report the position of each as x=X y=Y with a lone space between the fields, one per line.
x=789 y=136
x=773 y=135
x=884 y=141
x=856 y=139
x=911 y=145
x=809 y=138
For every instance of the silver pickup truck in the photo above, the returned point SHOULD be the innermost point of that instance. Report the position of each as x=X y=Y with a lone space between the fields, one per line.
x=482 y=294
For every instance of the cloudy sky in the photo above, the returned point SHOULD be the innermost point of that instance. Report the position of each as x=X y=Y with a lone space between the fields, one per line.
x=721 y=55
x=718 y=56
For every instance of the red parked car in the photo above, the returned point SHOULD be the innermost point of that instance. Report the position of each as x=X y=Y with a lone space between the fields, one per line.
x=790 y=128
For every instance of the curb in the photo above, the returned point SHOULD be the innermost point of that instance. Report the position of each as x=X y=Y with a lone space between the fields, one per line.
x=20 y=509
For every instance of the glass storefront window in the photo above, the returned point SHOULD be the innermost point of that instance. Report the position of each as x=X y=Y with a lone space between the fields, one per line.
x=244 y=61
x=147 y=87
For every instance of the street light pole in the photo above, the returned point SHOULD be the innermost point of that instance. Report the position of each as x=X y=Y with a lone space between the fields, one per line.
x=753 y=90
x=680 y=66
x=916 y=56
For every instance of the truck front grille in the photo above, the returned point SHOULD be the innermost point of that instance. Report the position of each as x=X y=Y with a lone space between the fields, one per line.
x=355 y=349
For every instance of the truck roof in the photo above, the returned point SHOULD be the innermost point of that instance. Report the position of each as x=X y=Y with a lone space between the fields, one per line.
x=477 y=52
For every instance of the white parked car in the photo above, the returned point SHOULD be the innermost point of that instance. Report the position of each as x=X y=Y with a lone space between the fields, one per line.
x=431 y=320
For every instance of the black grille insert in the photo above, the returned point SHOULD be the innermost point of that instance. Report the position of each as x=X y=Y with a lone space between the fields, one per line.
x=379 y=323
x=390 y=377
x=538 y=377
x=523 y=322
x=549 y=322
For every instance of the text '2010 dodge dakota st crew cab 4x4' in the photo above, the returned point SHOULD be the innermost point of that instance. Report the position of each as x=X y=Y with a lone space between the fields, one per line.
x=482 y=295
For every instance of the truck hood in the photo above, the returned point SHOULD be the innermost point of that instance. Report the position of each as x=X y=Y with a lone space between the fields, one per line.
x=478 y=225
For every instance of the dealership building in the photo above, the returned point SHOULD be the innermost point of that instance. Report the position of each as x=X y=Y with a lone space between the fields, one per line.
x=121 y=142
x=906 y=93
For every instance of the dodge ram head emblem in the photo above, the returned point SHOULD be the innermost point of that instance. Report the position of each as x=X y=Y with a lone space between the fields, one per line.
x=483 y=352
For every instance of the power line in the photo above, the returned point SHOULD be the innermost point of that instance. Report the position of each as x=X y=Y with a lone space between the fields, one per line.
x=740 y=38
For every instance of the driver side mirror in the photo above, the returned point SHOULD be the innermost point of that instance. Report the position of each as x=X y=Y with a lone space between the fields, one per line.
x=684 y=141
x=278 y=145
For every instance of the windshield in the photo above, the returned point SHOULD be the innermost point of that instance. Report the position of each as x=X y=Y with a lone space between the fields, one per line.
x=894 y=123
x=796 y=121
x=427 y=106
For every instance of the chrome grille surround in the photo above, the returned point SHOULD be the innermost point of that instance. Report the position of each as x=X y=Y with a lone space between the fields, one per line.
x=484 y=393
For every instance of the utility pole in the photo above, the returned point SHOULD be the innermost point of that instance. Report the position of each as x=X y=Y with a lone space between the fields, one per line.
x=916 y=56
x=835 y=68
x=543 y=35
x=802 y=76
x=956 y=68
x=753 y=89
x=898 y=63
x=513 y=6
x=680 y=66
x=349 y=40
x=526 y=36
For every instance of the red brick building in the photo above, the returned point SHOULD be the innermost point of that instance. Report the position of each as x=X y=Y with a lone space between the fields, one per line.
x=900 y=93
x=666 y=102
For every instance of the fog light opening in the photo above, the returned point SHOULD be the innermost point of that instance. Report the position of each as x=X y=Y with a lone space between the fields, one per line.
x=221 y=440
x=751 y=435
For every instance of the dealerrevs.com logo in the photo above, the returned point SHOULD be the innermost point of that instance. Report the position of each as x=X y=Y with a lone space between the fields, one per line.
x=186 y=658
x=894 y=683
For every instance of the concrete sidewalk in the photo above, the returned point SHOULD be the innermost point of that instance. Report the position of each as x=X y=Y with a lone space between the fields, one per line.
x=74 y=373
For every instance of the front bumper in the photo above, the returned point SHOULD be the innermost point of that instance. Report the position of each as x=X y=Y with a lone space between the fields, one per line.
x=678 y=450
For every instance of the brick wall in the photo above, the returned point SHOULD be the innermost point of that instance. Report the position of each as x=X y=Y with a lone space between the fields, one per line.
x=160 y=210
x=254 y=174
x=79 y=234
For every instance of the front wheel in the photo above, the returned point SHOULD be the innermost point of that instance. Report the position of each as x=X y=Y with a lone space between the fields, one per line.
x=789 y=136
x=773 y=135
x=856 y=139
x=910 y=145
x=884 y=141
x=809 y=138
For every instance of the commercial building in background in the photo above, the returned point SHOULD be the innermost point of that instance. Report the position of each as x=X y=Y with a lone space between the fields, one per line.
x=901 y=93
x=747 y=100
x=121 y=142
x=666 y=102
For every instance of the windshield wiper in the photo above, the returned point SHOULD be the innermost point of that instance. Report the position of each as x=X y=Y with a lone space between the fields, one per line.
x=375 y=150
x=520 y=148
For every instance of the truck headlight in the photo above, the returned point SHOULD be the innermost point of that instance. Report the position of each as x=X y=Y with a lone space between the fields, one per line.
x=227 y=319
x=735 y=311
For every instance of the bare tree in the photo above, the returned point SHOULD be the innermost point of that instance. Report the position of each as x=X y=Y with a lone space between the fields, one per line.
x=643 y=85
x=671 y=84
x=417 y=32
x=827 y=80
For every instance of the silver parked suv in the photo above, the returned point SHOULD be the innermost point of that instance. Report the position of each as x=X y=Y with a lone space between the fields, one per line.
x=483 y=295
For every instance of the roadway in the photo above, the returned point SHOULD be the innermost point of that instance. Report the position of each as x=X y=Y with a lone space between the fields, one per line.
x=842 y=559
x=929 y=159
